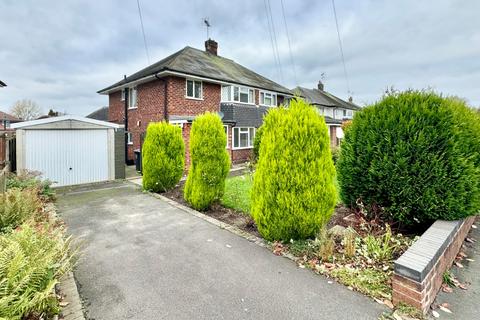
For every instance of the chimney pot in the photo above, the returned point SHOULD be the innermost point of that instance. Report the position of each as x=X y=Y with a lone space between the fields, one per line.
x=211 y=46
x=320 y=85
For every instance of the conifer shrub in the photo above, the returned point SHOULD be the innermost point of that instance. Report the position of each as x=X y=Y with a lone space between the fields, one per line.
x=163 y=157
x=210 y=162
x=415 y=156
x=293 y=193
x=256 y=143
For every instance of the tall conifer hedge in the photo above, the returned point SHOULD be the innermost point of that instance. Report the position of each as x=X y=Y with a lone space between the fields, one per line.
x=163 y=157
x=293 y=193
x=210 y=162
x=415 y=156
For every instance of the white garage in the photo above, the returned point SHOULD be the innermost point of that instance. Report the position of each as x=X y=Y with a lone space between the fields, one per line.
x=71 y=150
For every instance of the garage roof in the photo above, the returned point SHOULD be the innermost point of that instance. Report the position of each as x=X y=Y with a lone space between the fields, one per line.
x=71 y=118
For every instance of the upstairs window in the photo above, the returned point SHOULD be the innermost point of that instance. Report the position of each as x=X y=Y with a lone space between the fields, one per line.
x=268 y=99
x=238 y=94
x=132 y=98
x=194 y=89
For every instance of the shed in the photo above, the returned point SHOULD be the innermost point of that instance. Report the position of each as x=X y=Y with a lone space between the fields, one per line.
x=70 y=150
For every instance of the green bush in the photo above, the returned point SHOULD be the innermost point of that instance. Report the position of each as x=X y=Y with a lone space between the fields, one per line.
x=31 y=262
x=210 y=162
x=256 y=144
x=16 y=206
x=415 y=156
x=163 y=157
x=293 y=194
x=31 y=180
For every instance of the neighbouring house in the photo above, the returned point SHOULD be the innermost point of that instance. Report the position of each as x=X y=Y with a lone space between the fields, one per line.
x=6 y=132
x=188 y=83
x=335 y=110
x=6 y=120
x=99 y=114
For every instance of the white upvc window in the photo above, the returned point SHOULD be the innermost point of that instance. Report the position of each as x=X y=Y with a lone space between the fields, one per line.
x=268 y=99
x=328 y=112
x=132 y=97
x=129 y=138
x=238 y=94
x=349 y=114
x=340 y=113
x=178 y=123
x=225 y=127
x=194 y=89
x=243 y=137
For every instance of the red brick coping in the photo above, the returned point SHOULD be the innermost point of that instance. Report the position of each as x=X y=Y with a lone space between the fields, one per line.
x=418 y=273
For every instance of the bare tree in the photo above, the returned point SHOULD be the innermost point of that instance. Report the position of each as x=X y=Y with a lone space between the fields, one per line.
x=26 y=109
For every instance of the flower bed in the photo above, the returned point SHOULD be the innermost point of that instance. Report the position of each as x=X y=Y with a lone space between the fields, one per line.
x=355 y=252
x=34 y=252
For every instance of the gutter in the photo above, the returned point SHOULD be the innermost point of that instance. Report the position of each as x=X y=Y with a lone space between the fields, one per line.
x=167 y=72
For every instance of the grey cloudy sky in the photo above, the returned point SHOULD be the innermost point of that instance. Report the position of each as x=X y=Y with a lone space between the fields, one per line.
x=59 y=53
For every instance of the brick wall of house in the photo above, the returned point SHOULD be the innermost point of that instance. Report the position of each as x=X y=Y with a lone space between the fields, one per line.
x=333 y=136
x=178 y=104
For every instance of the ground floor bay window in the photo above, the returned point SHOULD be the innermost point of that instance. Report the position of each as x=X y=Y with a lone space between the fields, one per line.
x=243 y=137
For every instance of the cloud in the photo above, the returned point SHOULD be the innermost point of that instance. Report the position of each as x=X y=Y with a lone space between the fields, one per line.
x=60 y=53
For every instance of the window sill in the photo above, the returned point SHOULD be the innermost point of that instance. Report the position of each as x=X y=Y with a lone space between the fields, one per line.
x=246 y=103
x=130 y=143
x=134 y=108
x=241 y=148
x=192 y=98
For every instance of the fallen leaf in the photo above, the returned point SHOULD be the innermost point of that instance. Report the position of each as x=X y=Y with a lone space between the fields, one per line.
x=444 y=309
x=462 y=254
x=330 y=282
x=458 y=264
x=209 y=240
x=470 y=240
x=447 y=289
x=63 y=303
x=388 y=303
x=350 y=288
x=329 y=265
x=301 y=266
x=463 y=286
x=378 y=301
x=470 y=260
x=228 y=246
x=396 y=316
x=445 y=305
x=435 y=314
x=474 y=226
x=385 y=268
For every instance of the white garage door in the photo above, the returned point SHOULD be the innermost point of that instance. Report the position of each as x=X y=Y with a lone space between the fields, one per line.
x=68 y=157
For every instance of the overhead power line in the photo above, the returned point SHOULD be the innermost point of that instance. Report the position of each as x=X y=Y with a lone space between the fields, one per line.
x=273 y=38
x=289 y=45
x=341 y=47
x=143 y=32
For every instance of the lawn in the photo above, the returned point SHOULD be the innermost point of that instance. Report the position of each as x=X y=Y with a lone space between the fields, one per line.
x=237 y=193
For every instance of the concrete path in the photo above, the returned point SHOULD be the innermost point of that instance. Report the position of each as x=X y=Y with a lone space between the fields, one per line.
x=465 y=304
x=145 y=259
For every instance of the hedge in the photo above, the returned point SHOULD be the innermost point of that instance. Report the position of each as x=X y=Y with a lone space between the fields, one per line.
x=163 y=157
x=293 y=193
x=210 y=162
x=413 y=156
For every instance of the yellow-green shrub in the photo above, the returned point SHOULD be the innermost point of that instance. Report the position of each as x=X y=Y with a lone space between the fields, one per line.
x=293 y=192
x=16 y=206
x=163 y=157
x=209 y=162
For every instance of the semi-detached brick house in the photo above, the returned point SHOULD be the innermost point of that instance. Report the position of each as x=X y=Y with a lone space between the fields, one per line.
x=191 y=81
x=187 y=84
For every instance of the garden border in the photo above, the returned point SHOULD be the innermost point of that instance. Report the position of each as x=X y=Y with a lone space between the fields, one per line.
x=68 y=288
x=418 y=273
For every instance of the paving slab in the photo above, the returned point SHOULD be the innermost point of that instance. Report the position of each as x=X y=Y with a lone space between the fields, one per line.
x=464 y=304
x=146 y=259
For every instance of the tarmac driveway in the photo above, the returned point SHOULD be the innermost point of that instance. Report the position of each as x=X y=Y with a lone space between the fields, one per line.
x=145 y=259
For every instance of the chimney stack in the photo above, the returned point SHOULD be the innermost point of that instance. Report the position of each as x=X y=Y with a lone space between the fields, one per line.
x=211 y=46
x=320 y=85
x=350 y=99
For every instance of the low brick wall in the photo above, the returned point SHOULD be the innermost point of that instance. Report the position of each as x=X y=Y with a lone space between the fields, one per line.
x=418 y=273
